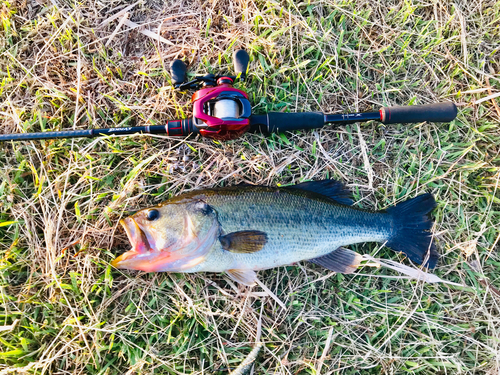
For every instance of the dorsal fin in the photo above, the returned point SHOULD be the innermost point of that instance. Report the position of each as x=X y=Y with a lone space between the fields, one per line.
x=332 y=189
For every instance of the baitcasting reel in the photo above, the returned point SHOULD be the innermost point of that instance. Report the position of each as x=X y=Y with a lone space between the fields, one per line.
x=220 y=111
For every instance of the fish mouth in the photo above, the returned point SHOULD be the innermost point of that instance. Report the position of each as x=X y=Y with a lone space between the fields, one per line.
x=137 y=238
x=178 y=257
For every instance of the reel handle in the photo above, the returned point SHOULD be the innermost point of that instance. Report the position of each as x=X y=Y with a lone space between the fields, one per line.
x=240 y=60
x=178 y=72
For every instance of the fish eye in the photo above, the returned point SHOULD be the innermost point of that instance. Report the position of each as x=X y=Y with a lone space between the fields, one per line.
x=153 y=215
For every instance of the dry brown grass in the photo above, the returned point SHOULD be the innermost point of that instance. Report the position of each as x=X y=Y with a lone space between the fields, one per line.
x=68 y=65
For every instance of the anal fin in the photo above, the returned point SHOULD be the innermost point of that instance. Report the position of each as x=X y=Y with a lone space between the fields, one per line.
x=245 y=277
x=340 y=260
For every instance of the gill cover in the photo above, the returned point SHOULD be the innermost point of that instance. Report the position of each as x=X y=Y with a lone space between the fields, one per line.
x=174 y=236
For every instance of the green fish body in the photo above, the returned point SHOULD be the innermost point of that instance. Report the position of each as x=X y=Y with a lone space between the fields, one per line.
x=246 y=228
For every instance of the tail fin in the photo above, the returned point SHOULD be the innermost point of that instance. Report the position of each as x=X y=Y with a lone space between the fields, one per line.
x=412 y=227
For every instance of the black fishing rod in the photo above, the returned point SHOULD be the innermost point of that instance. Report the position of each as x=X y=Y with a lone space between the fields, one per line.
x=223 y=112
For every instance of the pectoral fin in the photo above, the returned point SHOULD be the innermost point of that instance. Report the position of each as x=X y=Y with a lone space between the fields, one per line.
x=341 y=260
x=245 y=241
x=246 y=277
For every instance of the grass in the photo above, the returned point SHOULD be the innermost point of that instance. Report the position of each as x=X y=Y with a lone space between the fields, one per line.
x=65 y=310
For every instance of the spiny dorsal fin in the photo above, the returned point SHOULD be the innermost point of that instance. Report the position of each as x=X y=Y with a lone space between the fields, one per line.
x=332 y=189
x=341 y=260
x=246 y=277
x=245 y=241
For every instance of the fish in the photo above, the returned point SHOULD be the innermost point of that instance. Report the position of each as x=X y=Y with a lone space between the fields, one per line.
x=242 y=229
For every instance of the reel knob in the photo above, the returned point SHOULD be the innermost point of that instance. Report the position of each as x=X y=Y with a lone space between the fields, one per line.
x=240 y=60
x=178 y=72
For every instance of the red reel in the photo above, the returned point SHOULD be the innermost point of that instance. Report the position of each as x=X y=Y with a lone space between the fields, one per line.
x=221 y=112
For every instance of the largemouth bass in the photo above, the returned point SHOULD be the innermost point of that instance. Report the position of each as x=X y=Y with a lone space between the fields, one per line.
x=241 y=229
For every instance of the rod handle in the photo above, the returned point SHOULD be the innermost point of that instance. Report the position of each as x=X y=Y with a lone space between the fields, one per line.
x=279 y=122
x=437 y=112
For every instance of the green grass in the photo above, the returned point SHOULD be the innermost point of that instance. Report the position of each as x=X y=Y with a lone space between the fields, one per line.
x=65 y=310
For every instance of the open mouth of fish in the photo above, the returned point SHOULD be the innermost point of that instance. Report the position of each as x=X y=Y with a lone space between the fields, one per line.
x=145 y=255
x=137 y=238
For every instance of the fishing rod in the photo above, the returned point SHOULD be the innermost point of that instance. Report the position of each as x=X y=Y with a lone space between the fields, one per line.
x=223 y=112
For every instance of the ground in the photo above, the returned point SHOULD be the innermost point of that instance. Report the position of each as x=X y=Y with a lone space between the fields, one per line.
x=77 y=65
